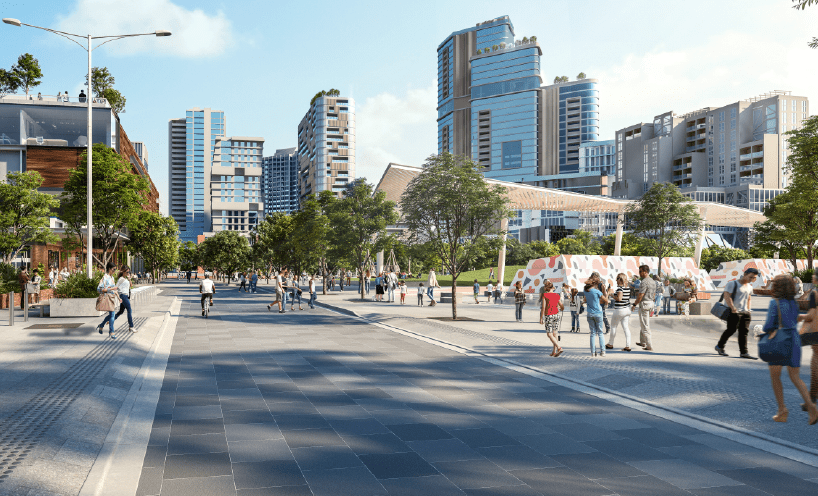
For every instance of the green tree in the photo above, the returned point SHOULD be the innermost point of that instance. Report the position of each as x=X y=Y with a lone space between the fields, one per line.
x=715 y=255
x=802 y=146
x=227 y=252
x=533 y=39
x=801 y=5
x=188 y=256
x=544 y=249
x=272 y=241
x=27 y=72
x=309 y=236
x=119 y=196
x=358 y=222
x=632 y=246
x=452 y=206
x=102 y=84
x=525 y=39
x=795 y=215
x=24 y=213
x=8 y=82
x=581 y=75
x=665 y=216
x=154 y=237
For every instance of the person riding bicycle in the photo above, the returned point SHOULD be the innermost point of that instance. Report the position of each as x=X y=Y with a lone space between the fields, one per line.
x=207 y=288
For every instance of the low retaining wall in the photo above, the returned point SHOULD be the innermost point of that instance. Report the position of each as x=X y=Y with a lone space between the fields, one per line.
x=45 y=294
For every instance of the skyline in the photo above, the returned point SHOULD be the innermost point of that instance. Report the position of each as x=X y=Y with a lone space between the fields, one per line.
x=640 y=74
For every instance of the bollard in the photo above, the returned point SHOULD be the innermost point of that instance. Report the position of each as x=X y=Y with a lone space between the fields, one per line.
x=25 y=305
x=11 y=308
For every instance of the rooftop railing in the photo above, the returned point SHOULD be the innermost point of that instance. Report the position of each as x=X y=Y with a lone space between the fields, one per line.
x=52 y=98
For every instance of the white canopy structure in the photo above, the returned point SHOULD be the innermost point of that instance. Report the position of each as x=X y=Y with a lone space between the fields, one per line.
x=526 y=197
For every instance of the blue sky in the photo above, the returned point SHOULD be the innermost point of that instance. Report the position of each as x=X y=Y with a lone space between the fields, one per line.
x=261 y=62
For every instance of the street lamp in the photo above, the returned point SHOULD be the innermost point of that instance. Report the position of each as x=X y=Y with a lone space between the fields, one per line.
x=70 y=36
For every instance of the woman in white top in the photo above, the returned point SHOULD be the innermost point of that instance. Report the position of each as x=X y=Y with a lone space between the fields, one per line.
x=107 y=285
x=123 y=285
x=312 y=292
x=622 y=311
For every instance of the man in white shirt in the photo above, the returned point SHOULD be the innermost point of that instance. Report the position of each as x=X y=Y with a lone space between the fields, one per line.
x=391 y=285
x=430 y=287
x=667 y=294
x=739 y=319
x=490 y=291
x=312 y=292
x=280 y=289
x=208 y=289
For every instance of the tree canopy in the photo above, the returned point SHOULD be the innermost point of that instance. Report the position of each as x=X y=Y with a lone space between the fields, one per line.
x=24 y=213
x=801 y=5
x=451 y=206
x=118 y=197
x=226 y=252
x=154 y=237
x=27 y=72
x=102 y=84
x=666 y=217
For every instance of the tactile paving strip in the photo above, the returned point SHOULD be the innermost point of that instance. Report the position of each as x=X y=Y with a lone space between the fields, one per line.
x=20 y=431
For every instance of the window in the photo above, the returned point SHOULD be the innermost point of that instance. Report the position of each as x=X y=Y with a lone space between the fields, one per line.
x=803 y=107
x=783 y=105
x=721 y=116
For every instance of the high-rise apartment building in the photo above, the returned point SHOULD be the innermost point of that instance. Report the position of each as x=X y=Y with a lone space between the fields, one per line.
x=326 y=146
x=279 y=181
x=493 y=108
x=202 y=127
x=597 y=157
x=141 y=152
x=733 y=154
x=235 y=184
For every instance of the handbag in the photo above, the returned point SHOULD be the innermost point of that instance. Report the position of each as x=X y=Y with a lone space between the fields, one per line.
x=775 y=346
x=721 y=310
x=107 y=302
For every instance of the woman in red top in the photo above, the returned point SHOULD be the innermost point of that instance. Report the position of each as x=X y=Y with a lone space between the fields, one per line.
x=551 y=306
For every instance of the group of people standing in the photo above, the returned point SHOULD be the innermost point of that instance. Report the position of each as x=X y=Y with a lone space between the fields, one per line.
x=286 y=284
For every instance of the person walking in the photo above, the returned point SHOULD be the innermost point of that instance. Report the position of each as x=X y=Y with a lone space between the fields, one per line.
x=431 y=284
x=52 y=278
x=575 y=305
x=491 y=273
x=342 y=278
x=107 y=285
x=519 y=301
x=123 y=286
x=660 y=295
x=403 y=290
x=644 y=302
x=242 y=282
x=622 y=311
x=737 y=296
x=391 y=285
x=188 y=277
x=279 y=293
x=207 y=288
x=367 y=281
x=295 y=292
x=595 y=300
x=420 y=295
x=253 y=282
x=810 y=338
x=312 y=291
x=600 y=285
x=667 y=295
x=22 y=280
x=379 y=287
x=489 y=291
x=782 y=317
x=551 y=304
x=498 y=292
x=34 y=285
x=476 y=291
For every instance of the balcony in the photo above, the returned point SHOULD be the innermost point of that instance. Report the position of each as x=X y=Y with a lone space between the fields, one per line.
x=697 y=147
x=749 y=156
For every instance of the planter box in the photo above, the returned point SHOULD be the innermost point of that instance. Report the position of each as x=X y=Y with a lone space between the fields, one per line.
x=74 y=307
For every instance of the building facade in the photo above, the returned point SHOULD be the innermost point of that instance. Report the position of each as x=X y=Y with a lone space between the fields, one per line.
x=494 y=108
x=141 y=152
x=733 y=154
x=279 y=181
x=202 y=127
x=326 y=146
x=234 y=188
x=597 y=157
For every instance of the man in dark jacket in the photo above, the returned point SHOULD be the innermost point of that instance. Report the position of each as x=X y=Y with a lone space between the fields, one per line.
x=23 y=280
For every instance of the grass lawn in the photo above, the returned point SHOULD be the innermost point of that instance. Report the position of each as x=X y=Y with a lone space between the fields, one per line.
x=467 y=278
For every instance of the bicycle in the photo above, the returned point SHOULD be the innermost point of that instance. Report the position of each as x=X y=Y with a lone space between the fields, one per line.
x=208 y=302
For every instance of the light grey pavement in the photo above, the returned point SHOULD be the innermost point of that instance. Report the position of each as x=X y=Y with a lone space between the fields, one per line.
x=318 y=402
x=61 y=388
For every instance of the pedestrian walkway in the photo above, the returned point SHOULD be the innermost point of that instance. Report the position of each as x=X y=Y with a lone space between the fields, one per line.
x=61 y=386
x=316 y=402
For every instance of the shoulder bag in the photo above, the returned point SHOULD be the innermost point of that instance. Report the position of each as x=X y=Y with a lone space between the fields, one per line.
x=721 y=310
x=107 y=302
x=776 y=345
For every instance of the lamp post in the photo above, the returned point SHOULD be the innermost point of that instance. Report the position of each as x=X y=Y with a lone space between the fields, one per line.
x=89 y=99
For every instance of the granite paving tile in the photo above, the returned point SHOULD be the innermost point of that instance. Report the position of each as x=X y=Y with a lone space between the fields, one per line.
x=150 y=481
x=198 y=443
x=200 y=426
x=197 y=465
x=306 y=438
x=360 y=426
x=296 y=422
x=247 y=417
x=628 y=450
x=267 y=474
x=684 y=474
x=356 y=481
x=554 y=444
x=326 y=457
x=707 y=457
x=199 y=486
x=252 y=432
x=770 y=481
x=375 y=443
x=259 y=451
x=655 y=438
x=517 y=458
x=484 y=438
x=475 y=474
x=597 y=465
x=523 y=490
x=560 y=481
x=643 y=485
x=444 y=450
x=436 y=485
x=396 y=465
x=419 y=432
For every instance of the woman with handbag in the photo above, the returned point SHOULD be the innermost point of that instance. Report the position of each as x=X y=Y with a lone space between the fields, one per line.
x=780 y=346
x=809 y=337
x=123 y=286
x=107 y=300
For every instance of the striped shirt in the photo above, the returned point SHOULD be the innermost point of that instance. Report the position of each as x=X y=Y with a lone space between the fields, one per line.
x=626 y=296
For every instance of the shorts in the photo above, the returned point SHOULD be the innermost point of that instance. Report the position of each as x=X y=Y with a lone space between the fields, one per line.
x=279 y=296
x=552 y=323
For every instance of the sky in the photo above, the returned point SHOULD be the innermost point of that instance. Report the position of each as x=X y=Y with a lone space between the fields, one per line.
x=261 y=62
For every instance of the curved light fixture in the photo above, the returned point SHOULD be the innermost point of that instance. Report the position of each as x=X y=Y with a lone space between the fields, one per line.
x=162 y=32
x=13 y=22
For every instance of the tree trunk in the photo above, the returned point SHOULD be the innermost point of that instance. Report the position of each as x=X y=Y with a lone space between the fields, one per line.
x=361 y=282
x=809 y=257
x=454 y=297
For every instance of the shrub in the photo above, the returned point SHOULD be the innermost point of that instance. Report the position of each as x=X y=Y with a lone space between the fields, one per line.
x=79 y=286
x=479 y=51
x=533 y=39
x=804 y=275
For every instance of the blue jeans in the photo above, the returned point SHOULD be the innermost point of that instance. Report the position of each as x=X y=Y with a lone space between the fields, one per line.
x=366 y=286
x=110 y=319
x=125 y=306
x=575 y=319
x=518 y=310
x=657 y=303
x=431 y=293
x=595 y=323
x=295 y=295
x=312 y=300
x=667 y=305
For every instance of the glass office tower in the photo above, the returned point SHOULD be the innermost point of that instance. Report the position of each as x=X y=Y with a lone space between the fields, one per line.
x=279 y=182
x=579 y=121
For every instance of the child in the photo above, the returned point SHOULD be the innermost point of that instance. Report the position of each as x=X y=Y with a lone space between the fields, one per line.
x=574 y=305
x=420 y=295
x=490 y=290
x=403 y=290
x=476 y=291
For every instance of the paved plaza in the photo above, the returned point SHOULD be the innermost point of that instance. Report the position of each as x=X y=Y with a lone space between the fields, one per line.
x=318 y=402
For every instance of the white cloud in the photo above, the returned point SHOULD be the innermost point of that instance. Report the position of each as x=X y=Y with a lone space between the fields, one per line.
x=400 y=129
x=716 y=71
x=195 y=33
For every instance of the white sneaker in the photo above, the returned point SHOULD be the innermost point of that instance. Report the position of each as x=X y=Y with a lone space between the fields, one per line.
x=132 y=330
x=602 y=354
